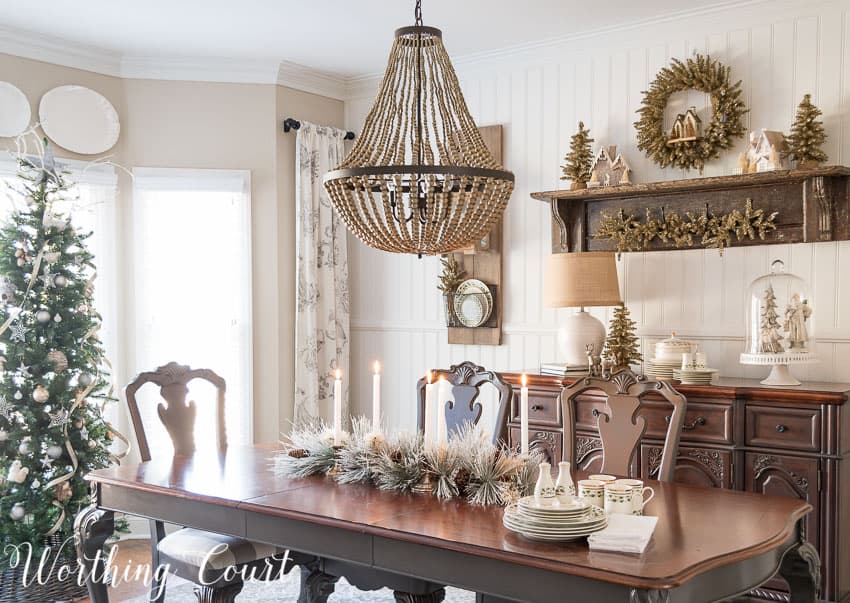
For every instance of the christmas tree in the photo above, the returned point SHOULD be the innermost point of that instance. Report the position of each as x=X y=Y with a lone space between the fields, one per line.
x=52 y=388
x=621 y=345
x=770 y=340
x=579 y=159
x=807 y=135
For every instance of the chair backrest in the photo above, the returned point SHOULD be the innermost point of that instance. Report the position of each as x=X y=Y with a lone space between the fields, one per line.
x=176 y=415
x=620 y=426
x=463 y=407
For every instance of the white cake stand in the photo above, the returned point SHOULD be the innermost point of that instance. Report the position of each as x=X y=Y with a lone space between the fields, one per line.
x=779 y=374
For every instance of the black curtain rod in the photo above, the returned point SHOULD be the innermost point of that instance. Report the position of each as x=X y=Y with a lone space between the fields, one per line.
x=293 y=124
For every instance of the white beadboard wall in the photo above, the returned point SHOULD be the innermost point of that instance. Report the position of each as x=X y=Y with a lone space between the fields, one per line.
x=781 y=50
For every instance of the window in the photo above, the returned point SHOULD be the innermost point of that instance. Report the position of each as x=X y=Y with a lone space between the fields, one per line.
x=190 y=296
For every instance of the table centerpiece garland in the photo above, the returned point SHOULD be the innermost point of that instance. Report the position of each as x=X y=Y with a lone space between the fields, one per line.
x=468 y=466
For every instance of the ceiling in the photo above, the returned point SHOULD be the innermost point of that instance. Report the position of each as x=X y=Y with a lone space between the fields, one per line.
x=346 y=38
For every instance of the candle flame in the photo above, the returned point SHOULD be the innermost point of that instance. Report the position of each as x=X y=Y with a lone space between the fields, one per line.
x=429 y=377
x=338 y=374
x=441 y=378
x=524 y=380
x=377 y=367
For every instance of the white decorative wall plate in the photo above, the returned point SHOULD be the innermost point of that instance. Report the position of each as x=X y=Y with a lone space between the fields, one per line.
x=14 y=110
x=79 y=119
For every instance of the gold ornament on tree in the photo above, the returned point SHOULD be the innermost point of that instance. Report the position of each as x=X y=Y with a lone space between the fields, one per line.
x=807 y=135
x=686 y=147
x=579 y=159
x=622 y=347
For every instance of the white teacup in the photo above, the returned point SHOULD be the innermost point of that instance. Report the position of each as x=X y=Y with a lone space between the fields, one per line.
x=638 y=490
x=618 y=498
x=592 y=490
x=608 y=479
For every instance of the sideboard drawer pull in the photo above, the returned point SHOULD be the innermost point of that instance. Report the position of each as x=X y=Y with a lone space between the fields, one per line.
x=699 y=421
x=781 y=428
x=537 y=408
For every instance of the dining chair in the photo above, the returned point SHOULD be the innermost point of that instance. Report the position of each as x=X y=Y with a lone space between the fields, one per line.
x=467 y=381
x=619 y=423
x=194 y=555
x=464 y=406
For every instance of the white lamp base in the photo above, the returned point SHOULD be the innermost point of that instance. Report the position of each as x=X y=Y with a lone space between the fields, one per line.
x=780 y=375
x=577 y=332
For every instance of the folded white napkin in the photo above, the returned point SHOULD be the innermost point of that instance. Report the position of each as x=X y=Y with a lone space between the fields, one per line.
x=624 y=533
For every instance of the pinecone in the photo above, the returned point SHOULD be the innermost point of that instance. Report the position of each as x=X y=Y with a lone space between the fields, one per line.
x=396 y=456
x=462 y=480
x=298 y=453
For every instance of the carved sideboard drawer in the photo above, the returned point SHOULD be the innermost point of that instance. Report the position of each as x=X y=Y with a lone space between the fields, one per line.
x=704 y=422
x=587 y=408
x=783 y=427
x=544 y=407
x=550 y=443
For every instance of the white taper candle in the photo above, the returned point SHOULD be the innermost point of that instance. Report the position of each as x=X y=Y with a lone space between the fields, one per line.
x=523 y=415
x=430 y=408
x=442 y=397
x=338 y=408
x=376 y=397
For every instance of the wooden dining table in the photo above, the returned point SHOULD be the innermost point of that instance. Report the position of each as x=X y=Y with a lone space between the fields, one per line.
x=708 y=545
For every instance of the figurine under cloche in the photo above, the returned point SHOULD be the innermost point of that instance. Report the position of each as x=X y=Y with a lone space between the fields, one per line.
x=780 y=324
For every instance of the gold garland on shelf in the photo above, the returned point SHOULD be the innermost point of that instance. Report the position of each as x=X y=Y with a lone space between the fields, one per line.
x=675 y=230
x=705 y=75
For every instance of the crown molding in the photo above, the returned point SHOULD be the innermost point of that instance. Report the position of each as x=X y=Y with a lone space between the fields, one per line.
x=207 y=69
x=284 y=73
x=56 y=51
x=300 y=77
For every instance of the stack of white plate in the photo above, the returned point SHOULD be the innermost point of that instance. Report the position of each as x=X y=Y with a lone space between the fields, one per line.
x=694 y=376
x=662 y=368
x=554 y=520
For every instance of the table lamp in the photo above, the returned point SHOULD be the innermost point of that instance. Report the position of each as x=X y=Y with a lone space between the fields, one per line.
x=580 y=280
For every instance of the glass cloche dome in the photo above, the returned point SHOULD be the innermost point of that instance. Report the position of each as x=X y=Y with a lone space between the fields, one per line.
x=780 y=324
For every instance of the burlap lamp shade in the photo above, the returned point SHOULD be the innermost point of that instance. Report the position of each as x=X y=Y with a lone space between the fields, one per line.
x=579 y=280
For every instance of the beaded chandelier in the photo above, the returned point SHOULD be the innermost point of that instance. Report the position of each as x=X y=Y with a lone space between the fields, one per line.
x=419 y=178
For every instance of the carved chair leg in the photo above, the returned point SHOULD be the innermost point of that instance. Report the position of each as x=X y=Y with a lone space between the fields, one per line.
x=92 y=527
x=316 y=585
x=801 y=569
x=435 y=597
x=218 y=594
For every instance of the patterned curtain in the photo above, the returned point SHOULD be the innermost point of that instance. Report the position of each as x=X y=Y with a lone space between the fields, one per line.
x=322 y=310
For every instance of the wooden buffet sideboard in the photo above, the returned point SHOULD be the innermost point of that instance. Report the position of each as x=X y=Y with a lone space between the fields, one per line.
x=738 y=434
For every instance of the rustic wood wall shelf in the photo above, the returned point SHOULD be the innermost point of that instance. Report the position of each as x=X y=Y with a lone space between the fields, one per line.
x=813 y=205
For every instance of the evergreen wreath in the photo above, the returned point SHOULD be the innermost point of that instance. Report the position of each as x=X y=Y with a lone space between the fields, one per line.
x=697 y=73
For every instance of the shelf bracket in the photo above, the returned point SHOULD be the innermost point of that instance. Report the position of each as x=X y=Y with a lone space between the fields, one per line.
x=562 y=226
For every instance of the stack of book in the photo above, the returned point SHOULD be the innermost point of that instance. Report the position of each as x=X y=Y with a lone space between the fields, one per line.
x=559 y=369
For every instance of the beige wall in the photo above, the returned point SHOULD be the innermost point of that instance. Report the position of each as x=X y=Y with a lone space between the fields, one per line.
x=214 y=125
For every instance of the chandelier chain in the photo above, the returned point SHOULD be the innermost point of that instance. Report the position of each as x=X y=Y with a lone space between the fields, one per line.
x=418 y=12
